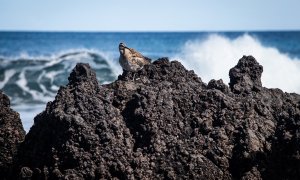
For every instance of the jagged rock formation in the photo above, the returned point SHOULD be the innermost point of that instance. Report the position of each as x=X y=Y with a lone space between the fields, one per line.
x=166 y=124
x=11 y=134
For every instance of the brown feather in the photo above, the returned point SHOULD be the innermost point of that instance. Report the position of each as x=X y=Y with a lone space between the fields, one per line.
x=131 y=60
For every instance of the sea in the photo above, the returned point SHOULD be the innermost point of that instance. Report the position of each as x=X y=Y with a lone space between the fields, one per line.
x=33 y=65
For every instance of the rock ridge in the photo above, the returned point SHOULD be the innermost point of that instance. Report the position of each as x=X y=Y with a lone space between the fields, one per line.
x=163 y=122
x=11 y=134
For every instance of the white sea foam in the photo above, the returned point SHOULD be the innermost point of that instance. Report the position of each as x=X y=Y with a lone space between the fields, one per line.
x=23 y=84
x=51 y=75
x=7 y=75
x=213 y=57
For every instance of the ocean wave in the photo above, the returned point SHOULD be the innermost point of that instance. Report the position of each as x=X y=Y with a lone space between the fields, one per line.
x=36 y=79
x=213 y=57
x=32 y=81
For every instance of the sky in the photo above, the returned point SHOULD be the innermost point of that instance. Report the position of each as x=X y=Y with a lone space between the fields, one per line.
x=154 y=15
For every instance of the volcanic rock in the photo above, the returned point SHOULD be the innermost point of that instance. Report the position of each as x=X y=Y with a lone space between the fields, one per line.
x=163 y=122
x=246 y=76
x=11 y=134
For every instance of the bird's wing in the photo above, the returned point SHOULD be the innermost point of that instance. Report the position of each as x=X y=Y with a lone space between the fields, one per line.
x=137 y=54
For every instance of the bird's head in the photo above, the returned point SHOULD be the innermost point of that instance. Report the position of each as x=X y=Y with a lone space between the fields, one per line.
x=122 y=47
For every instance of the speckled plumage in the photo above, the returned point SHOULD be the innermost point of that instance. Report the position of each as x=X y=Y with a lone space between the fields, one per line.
x=130 y=59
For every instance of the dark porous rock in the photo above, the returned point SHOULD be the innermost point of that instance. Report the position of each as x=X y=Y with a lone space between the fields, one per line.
x=218 y=84
x=11 y=134
x=245 y=77
x=163 y=122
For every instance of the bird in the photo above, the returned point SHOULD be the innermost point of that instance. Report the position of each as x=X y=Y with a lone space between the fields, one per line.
x=130 y=59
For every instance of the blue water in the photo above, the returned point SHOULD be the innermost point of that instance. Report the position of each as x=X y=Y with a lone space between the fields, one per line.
x=34 y=64
x=14 y=44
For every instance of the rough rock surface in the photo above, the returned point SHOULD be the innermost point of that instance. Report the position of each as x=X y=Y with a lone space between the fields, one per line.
x=11 y=134
x=165 y=124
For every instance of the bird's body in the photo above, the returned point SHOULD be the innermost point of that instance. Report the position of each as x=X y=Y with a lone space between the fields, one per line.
x=130 y=59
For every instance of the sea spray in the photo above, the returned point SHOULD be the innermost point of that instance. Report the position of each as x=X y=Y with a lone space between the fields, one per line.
x=212 y=58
